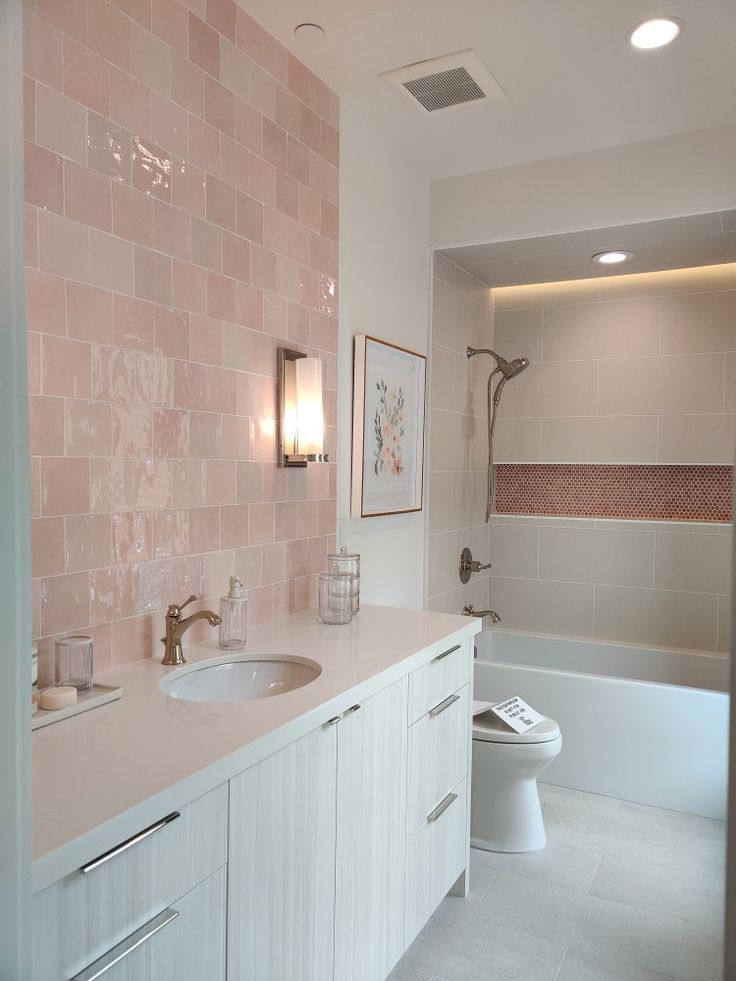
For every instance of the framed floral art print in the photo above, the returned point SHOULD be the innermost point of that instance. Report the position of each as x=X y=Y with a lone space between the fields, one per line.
x=388 y=429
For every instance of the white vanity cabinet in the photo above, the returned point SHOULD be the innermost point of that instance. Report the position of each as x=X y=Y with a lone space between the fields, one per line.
x=151 y=909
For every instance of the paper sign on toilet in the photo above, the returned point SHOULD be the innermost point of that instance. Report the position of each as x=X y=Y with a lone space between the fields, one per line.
x=517 y=714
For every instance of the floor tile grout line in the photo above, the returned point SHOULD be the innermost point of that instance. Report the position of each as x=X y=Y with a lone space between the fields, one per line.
x=562 y=961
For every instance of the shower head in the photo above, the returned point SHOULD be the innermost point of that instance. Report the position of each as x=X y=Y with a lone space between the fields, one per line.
x=509 y=369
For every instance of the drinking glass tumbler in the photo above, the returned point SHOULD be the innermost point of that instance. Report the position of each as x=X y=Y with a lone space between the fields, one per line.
x=74 y=662
x=335 y=597
x=349 y=563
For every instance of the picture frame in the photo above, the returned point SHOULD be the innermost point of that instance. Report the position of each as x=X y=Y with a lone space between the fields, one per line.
x=389 y=390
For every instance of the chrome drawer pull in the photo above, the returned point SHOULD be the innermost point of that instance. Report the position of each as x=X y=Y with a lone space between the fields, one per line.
x=438 y=709
x=333 y=721
x=445 y=653
x=353 y=708
x=103 y=964
x=129 y=842
x=441 y=807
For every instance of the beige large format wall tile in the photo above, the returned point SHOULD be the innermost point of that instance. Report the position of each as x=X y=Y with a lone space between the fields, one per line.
x=695 y=562
x=544 y=607
x=616 y=329
x=699 y=322
x=553 y=389
x=662 y=385
x=708 y=439
x=599 y=439
x=616 y=558
x=725 y=609
x=515 y=551
x=519 y=332
x=518 y=440
x=658 y=617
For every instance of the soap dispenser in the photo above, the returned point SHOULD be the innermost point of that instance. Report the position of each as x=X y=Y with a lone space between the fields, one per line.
x=234 y=617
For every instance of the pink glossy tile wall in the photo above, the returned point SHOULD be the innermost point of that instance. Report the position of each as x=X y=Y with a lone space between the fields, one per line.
x=182 y=212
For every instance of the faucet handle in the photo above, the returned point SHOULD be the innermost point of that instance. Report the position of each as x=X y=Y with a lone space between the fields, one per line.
x=175 y=609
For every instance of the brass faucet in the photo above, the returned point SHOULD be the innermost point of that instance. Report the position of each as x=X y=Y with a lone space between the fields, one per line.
x=176 y=628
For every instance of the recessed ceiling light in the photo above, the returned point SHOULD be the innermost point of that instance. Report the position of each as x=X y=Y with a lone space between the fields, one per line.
x=309 y=32
x=613 y=257
x=656 y=32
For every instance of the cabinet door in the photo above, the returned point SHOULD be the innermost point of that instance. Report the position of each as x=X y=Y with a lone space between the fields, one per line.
x=371 y=819
x=281 y=888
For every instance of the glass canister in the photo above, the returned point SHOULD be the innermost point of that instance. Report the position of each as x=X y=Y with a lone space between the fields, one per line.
x=349 y=564
x=74 y=662
x=335 y=597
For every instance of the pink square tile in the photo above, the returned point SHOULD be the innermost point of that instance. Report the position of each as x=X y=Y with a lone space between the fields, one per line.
x=190 y=286
x=109 y=33
x=276 y=231
x=285 y=520
x=45 y=303
x=154 y=380
x=221 y=297
x=46 y=426
x=309 y=287
x=273 y=562
x=170 y=533
x=287 y=278
x=132 y=215
x=250 y=218
x=110 y=262
x=235 y=164
x=87 y=428
x=152 y=276
x=330 y=144
x=249 y=482
x=187 y=84
x=319 y=175
x=150 y=61
x=263 y=91
x=235 y=437
x=204 y=145
x=263 y=440
x=221 y=482
x=71 y=19
x=134 y=639
x=87 y=542
x=236 y=257
x=113 y=374
x=89 y=313
x=274 y=314
x=206 y=244
x=188 y=188
x=33 y=357
x=64 y=485
x=31 y=237
x=47 y=546
x=298 y=78
x=130 y=430
x=153 y=484
x=249 y=306
x=298 y=160
x=172 y=332
x=205 y=435
x=299 y=236
x=316 y=555
x=329 y=225
x=190 y=385
x=111 y=484
x=219 y=106
x=221 y=390
x=221 y=201
x=327 y=516
x=151 y=169
x=309 y=128
x=307 y=519
x=64 y=603
x=263 y=268
x=86 y=77
x=248 y=126
x=204 y=46
x=319 y=330
x=296 y=558
x=287 y=110
x=60 y=123
x=131 y=537
x=169 y=125
x=206 y=340
x=319 y=252
x=275 y=144
x=130 y=103
x=111 y=595
x=263 y=180
x=42 y=46
x=261 y=527
x=171 y=230
x=138 y=10
x=275 y=58
x=170 y=433
x=235 y=526
x=63 y=246
x=170 y=22
x=287 y=195
x=260 y=604
x=221 y=14
x=298 y=324
x=236 y=343
x=43 y=178
x=310 y=208
x=133 y=323
x=249 y=35
x=204 y=529
x=187 y=575
x=284 y=598
x=65 y=367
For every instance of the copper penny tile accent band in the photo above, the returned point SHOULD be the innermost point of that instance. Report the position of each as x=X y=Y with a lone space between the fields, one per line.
x=646 y=492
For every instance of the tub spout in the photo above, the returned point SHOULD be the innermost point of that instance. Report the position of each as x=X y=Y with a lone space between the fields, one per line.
x=468 y=611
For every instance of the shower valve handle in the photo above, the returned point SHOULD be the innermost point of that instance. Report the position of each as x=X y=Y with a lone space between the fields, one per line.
x=469 y=565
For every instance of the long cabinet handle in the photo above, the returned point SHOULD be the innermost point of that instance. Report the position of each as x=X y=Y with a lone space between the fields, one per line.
x=439 y=709
x=116 y=954
x=129 y=842
x=353 y=708
x=445 y=653
x=333 y=721
x=441 y=807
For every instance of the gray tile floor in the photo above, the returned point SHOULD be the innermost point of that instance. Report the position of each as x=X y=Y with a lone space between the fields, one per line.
x=622 y=892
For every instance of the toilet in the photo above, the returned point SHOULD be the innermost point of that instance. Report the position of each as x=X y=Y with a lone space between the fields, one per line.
x=506 y=815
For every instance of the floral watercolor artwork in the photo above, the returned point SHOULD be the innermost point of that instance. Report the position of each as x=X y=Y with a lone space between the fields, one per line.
x=388 y=429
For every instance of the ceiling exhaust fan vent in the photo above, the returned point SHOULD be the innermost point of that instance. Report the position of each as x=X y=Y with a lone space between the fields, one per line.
x=441 y=83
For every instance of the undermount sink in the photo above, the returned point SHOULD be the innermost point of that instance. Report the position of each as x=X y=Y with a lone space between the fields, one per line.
x=238 y=679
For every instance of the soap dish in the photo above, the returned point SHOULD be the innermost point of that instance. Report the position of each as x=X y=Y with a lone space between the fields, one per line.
x=96 y=695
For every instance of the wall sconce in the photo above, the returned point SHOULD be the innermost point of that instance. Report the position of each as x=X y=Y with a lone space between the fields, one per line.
x=301 y=409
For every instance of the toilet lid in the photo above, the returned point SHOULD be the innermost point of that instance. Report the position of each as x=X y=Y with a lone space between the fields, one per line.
x=488 y=727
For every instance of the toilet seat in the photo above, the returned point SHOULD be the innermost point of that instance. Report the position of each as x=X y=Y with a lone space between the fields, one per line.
x=487 y=727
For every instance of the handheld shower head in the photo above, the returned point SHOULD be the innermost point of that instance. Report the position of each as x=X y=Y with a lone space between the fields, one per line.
x=515 y=367
x=509 y=369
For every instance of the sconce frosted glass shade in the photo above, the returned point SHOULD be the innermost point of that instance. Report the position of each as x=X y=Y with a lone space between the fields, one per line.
x=310 y=418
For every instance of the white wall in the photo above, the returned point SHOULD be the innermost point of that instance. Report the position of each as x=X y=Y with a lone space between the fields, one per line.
x=687 y=174
x=384 y=291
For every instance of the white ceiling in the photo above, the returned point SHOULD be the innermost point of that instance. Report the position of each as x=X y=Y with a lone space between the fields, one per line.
x=572 y=81
x=673 y=243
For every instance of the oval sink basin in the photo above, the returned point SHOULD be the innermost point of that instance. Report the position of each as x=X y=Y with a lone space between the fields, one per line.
x=238 y=680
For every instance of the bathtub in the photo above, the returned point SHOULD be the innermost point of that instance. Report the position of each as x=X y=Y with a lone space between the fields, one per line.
x=638 y=723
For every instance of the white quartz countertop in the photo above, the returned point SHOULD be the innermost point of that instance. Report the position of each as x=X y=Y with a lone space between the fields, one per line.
x=101 y=776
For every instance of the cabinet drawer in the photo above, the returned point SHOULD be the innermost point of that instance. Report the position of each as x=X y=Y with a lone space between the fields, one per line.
x=437 y=679
x=85 y=914
x=435 y=857
x=438 y=755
